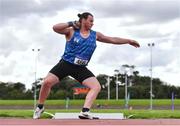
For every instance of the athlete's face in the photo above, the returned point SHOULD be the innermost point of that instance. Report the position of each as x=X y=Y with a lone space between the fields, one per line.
x=89 y=22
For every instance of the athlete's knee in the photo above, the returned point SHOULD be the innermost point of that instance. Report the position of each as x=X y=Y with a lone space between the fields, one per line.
x=97 y=87
x=50 y=80
x=47 y=83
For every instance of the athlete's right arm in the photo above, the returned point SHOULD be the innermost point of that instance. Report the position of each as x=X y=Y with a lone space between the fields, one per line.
x=65 y=29
x=62 y=28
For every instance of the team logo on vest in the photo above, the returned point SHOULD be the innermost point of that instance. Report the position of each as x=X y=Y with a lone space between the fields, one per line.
x=76 y=40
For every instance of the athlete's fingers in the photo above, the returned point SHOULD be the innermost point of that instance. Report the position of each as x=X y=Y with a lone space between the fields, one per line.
x=76 y=24
x=134 y=43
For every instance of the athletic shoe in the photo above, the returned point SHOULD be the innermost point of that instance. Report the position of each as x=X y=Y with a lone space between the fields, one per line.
x=86 y=115
x=38 y=112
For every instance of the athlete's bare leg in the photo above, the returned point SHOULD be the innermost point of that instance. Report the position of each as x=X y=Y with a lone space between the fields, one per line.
x=48 y=82
x=95 y=88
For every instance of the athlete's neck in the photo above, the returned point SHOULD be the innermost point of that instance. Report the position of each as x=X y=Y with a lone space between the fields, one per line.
x=84 y=32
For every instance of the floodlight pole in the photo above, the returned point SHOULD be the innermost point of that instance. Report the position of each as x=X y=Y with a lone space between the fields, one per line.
x=35 y=72
x=108 y=84
x=117 y=93
x=126 y=90
x=116 y=74
x=151 y=94
x=126 y=69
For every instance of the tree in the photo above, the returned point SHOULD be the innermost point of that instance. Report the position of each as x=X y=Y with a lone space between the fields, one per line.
x=64 y=89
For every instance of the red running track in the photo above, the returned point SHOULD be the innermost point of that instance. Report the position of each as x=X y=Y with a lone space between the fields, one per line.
x=77 y=122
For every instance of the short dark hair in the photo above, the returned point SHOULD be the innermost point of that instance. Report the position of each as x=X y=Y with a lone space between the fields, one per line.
x=84 y=15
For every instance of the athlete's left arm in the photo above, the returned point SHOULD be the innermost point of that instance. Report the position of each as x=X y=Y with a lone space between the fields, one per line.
x=115 y=40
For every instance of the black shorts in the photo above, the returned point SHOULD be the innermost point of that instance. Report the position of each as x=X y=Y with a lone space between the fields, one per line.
x=64 y=68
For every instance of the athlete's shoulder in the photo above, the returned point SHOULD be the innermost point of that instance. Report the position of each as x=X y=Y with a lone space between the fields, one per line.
x=76 y=32
x=93 y=32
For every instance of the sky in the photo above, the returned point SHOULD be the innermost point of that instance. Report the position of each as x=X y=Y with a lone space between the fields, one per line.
x=27 y=25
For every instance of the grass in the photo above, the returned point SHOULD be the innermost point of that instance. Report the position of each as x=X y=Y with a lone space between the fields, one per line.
x=137 y=114
x=132 y=102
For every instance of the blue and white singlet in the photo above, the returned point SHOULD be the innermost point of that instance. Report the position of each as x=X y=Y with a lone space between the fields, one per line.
x=79 y=50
